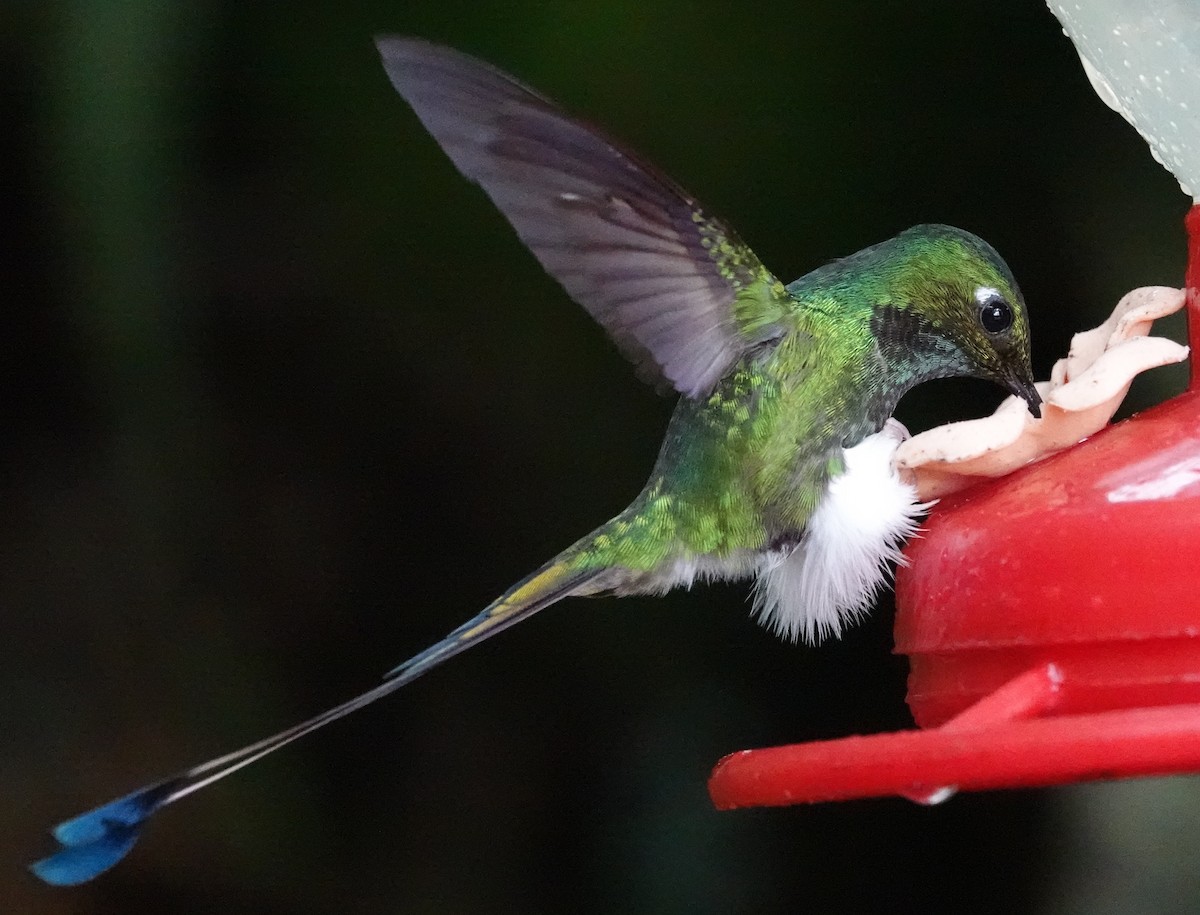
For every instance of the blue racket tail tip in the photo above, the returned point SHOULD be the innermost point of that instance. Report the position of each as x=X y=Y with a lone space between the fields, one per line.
x=95 y=841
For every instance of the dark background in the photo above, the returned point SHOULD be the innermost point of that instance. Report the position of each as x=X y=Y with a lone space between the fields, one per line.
x=285 y=400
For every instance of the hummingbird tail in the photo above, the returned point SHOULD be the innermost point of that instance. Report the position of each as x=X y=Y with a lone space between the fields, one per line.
x=95 y=841
x=552 y=582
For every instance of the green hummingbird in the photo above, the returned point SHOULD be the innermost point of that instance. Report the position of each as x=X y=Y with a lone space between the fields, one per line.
x=777 y=462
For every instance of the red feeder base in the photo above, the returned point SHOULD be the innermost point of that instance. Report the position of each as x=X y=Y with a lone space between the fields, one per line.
x=980 y=749
x=1052 y=623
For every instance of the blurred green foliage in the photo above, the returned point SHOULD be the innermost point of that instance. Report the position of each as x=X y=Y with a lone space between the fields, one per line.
x=287 y=401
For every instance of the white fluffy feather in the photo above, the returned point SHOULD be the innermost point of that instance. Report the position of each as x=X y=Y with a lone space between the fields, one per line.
x=857 y=530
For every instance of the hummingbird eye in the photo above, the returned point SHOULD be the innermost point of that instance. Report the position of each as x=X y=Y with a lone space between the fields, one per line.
x=995 y=314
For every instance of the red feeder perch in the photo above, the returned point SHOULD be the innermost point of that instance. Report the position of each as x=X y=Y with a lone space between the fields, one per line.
x=1052 y=622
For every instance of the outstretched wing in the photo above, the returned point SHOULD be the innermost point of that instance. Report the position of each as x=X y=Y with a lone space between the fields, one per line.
x=680 y=294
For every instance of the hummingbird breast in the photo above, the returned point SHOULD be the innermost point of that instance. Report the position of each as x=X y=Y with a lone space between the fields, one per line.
x=812 y=585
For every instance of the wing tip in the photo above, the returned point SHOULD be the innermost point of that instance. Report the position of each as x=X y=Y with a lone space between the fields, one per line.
x=388 y=43
x=395 y=48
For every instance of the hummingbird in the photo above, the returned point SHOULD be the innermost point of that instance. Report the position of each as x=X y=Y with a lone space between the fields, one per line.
x=776 y=464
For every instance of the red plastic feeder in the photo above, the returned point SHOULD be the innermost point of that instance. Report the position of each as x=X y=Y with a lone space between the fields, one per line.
x=1052 y=623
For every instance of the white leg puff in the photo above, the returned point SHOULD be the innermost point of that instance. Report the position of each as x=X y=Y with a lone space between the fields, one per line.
x=831 y=578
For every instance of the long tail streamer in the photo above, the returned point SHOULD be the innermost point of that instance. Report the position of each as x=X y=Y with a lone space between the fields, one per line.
x=95 y=841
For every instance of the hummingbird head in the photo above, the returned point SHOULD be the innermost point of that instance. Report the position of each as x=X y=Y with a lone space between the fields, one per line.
x=951 y=307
